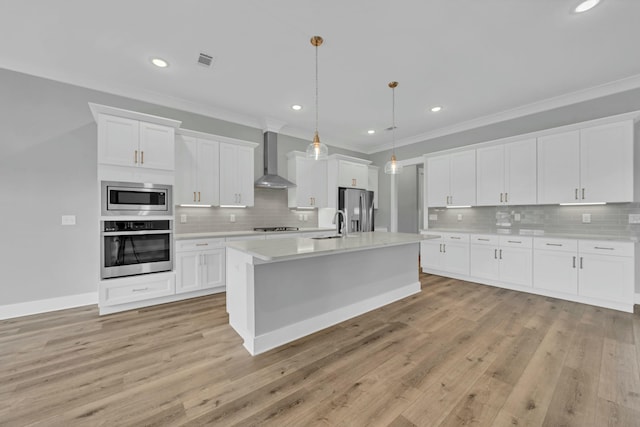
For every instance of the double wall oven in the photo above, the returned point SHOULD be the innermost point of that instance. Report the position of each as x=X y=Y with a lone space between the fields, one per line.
x=140 y=245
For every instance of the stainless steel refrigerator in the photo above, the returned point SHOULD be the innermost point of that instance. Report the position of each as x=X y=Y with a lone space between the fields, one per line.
x=357 y=205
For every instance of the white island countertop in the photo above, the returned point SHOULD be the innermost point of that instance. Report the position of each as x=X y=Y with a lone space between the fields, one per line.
x=294 y=248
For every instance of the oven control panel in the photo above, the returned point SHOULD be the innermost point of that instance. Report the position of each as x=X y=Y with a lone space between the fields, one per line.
x=136 y=225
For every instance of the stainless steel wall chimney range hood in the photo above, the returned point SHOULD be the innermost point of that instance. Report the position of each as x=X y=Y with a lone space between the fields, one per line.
x=271 y=179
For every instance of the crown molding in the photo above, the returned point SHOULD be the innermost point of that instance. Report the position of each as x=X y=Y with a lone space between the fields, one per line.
x=564 y=100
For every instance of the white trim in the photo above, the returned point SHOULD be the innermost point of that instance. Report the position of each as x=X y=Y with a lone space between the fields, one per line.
x=44 y=305
x=284 y=335
x=97 y=109
x=213 y=137
x=637 y=299
x=160 y=300
x=610 y=88
x=349 y=159
x=412 y=161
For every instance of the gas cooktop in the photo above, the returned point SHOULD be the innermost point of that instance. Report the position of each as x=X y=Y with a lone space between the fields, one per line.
x=275 y=229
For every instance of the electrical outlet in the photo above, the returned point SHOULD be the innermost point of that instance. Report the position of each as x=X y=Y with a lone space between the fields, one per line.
x=183 y=218
x=305 y=217
x=300 y=217
x=586 y=218
x=459 y=217
x=232 y=218
x=516 y=217
x=433 y=217
x=68 y=220
x=634 y=218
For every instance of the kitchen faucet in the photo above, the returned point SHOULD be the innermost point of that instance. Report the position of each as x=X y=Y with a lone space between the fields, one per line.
x=337 y=223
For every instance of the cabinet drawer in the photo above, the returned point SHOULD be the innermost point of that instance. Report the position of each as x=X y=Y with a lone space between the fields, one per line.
x=138 y=288
x=516 y=242
x=455 y=237
x=563 y=245
x=198 y=244
x=606 y=247
x=484 y=239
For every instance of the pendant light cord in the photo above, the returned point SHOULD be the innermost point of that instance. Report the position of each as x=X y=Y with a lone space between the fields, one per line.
x=316 y=89
x=393 y=118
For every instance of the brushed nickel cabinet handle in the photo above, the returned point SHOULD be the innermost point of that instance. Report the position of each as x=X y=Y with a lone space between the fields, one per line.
x=198 y=196
x=574 y=262
x=500 y=197
x=500 y=252
x=483 y=240
x=455 y=238
x=202 y=244
x=139 y=289
x=576 y=194
x=444 y=248
x=580 y=262
x=142 y=157
x=135 y=157
x=553 y=244
x=515 y=241
x=603 y=248
x=194 y=196
x=495 y=254
x=506 y=197
x=583 y=194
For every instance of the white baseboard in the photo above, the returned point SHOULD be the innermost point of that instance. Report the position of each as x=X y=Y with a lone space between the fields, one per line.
x=42 y=306
x=272 y=339
x=637 y=299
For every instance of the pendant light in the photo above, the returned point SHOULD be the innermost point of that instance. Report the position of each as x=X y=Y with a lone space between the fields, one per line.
x=392 y=167
x=317 y=150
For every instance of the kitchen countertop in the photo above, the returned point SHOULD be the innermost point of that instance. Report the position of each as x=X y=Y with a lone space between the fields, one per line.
x=577 y=236
x=216 y=234
x=286 y=249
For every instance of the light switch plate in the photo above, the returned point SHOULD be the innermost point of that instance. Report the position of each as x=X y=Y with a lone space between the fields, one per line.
x=634 y=218
x=183 y=218
x=516 y=217
x=68 y=220
x=232 y=218
x=586 y=218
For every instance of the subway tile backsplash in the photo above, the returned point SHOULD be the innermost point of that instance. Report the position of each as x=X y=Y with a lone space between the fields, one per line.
x=610 y=219
x=270 y=210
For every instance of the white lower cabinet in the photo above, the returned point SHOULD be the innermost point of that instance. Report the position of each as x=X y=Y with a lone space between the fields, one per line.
x=556 y=265
x=200 y=264
x=504 y=258
x=136 y=288
x=449 y=253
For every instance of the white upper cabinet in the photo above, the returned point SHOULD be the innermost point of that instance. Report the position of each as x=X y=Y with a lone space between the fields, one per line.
x=374 y=173
x=352 y=174
x=236 y=174
x=310 y=177
x=197 y=171
x=451 y=179
x=127 y=142
x=593 y=164
x=506 y=174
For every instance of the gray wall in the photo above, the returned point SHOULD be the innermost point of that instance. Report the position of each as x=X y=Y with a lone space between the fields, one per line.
x=48 y=168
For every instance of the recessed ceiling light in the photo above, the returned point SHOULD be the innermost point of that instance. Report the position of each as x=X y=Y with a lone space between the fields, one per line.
x=159 y=62
x=296 y=107
x=435 y=109
x=371 y=131
x=586 y=5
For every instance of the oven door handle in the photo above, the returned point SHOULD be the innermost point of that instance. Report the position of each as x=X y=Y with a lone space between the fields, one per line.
x=134 y=233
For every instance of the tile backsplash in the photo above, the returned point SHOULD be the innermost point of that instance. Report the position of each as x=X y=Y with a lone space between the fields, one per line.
x=611 y=219
x=270 y=210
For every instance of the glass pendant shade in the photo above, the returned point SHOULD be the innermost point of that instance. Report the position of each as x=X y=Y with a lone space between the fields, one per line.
x=317 y=150
x=392 y=167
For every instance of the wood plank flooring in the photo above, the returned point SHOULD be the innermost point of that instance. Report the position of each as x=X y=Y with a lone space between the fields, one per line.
x=457 y=354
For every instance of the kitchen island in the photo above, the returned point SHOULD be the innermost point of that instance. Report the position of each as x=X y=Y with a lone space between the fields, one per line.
x=281 y=290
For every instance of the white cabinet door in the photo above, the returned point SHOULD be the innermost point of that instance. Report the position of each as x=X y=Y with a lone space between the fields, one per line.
x=310 y=177
x=438 y=181
x=187 y=269
x=490 y=186
x=516 y=265
x=463 y=178
x=236 y=175
x=352 y=174
x=559 y=168
x=212 y=268
x=520 y=173
x=373 y=176
x=431 y=255
x=186 y=170
x=555 y=271
x=118 y=141
x=208 y=175
x=606 y=163
x=606 y=277
x=484 y=262
x=456 y=256
x=157 y=150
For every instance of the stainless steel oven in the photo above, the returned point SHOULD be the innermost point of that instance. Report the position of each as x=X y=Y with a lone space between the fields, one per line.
x=135 y=247
x=132 y=198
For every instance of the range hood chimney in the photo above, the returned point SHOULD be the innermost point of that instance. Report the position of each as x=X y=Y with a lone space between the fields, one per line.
x=271 y=179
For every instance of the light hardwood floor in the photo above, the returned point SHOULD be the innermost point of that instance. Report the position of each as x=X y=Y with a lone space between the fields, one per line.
x=457 y=354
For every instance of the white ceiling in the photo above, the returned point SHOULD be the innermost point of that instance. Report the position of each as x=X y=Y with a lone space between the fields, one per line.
x=481 y=60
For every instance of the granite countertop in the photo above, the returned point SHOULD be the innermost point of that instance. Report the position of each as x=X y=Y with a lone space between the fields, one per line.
x=287 y=249
x=553 y=234
x=221 y=234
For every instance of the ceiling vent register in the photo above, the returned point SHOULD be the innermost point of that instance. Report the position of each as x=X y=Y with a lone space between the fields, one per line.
x=205 y=60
